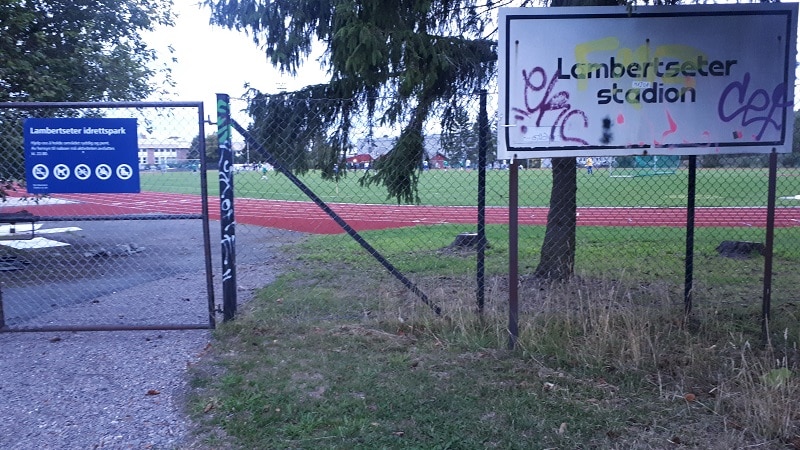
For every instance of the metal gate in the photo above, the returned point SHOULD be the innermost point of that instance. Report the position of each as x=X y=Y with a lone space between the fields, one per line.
x=97 y=258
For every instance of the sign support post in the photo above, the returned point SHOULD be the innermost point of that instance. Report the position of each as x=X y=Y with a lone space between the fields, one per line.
x=691 y=189
x=513 y=254
x=483 y=148
x=768 y=245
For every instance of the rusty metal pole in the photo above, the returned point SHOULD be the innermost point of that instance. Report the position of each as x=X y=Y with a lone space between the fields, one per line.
x=770 y=240
x=483 y=148
x=688 y=281
x=513 y=254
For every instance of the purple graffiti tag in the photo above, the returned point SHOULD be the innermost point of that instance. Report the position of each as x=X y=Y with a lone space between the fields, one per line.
x=733 y=96
x=535 y=82
x=564 y=118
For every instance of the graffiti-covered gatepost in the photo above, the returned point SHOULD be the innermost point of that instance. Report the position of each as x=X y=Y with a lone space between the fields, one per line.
x=663 y=80
x=227 y=219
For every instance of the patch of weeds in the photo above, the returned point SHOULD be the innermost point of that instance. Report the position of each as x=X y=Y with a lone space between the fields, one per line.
x=330 y=357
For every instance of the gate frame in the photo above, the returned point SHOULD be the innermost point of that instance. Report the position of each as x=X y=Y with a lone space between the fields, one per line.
x=204 y=216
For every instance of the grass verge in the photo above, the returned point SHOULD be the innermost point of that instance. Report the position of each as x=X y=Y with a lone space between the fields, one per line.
x=337 y=355
x=715 y=187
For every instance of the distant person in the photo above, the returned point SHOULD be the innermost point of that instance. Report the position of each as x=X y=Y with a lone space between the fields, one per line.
x=589 y=165
x=263 y=171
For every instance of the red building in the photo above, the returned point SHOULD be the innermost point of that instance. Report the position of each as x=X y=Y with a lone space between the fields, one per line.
x=361 y=161
x=437 y=161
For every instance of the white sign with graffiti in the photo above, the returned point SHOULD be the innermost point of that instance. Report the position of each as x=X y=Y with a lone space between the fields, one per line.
x=678 y=80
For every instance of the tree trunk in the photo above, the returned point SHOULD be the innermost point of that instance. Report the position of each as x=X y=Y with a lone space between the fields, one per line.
x=557 y=259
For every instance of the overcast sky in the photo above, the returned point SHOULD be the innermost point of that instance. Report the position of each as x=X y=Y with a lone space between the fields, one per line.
x=213 y=60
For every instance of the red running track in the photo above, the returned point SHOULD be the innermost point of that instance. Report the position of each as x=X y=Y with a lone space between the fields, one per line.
x=309 y=218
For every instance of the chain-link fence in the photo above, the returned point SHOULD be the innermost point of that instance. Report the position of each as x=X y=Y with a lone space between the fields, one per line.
x=91 y=255
x=631 y=211
x=73 y=259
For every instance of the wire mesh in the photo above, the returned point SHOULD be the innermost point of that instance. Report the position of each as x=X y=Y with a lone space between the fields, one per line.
x=631 y=212
x=106 y=260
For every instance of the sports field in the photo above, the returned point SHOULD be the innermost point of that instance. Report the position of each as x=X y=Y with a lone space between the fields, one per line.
x=715 y=188
x=725 y=198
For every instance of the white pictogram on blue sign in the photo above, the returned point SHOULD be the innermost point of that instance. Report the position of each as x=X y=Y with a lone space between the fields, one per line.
x=40 y=172
x=103 y=171
x=83 y=172
x=61 y=171
x=124 y=172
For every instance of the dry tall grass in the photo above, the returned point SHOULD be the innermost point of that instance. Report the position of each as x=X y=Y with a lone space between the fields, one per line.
x=606 y=326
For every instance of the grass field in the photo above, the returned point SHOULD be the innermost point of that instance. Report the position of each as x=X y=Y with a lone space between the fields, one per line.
x=605 y=361
x=635 y=254
x=336 y=354
x=715 y=187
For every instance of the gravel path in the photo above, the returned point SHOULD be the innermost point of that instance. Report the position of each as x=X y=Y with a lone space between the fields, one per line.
x=112 y=390
x=95 y=389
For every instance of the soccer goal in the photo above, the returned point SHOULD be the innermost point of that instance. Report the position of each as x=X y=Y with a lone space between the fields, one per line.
x=643 y=166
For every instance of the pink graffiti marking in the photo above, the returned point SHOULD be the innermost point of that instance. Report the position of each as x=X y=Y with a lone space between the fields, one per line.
x=673 y=127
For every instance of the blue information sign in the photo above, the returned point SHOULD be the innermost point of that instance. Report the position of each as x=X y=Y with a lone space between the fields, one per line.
x=70 y=155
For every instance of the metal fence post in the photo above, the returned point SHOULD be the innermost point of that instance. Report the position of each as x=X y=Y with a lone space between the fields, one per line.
x=2 y=314
x=227 y=219
x=769 y=245
x=513 y=253
x=483 y=146
x=688 y=279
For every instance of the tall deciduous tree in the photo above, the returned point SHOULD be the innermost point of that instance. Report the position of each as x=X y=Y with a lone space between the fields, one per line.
x=212 y=148
x=78 y=50
x=72 y=50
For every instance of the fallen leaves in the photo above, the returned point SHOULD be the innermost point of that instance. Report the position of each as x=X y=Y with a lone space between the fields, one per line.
x=212 y=403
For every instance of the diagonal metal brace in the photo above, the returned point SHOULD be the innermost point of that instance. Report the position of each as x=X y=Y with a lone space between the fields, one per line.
x=338 y=219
